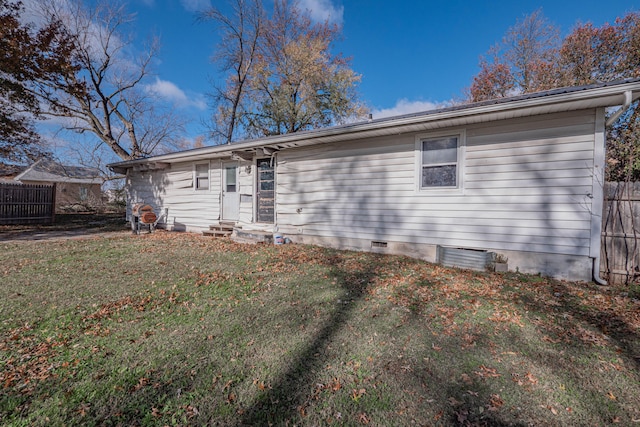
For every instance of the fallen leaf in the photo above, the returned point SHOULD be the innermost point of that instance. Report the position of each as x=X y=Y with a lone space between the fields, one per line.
x=486 y=372
x=496 y=402
x=357 y=394
x=362 y=417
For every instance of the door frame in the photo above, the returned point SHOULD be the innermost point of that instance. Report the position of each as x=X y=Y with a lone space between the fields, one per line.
x=256 y=180
x=235 y=216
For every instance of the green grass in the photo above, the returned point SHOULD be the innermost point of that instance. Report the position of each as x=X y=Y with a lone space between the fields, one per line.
x=176 y=329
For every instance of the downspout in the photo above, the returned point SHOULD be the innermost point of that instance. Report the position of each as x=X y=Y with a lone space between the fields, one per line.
x=274 y=164
x=628 y=98
x=597 y=196
x=598 y=186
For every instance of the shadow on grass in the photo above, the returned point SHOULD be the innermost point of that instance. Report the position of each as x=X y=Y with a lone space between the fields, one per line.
x=287 y=395
x=612 y=325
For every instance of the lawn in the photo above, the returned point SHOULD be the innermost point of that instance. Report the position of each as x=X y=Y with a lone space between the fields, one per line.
x=177 y=329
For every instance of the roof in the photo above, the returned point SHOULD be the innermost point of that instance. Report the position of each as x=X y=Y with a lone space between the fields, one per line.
x=607 y=94
x=46 y=170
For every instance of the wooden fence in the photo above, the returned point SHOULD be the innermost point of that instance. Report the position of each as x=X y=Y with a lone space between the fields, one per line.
x=27 y=204
x=620 y=257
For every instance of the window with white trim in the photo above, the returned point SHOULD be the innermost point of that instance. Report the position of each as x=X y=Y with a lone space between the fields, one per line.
x=201 y=181
x=84 y=193
x=439 y=162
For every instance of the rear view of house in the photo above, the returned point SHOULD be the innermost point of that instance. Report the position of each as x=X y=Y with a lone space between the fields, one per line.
x=517 y=179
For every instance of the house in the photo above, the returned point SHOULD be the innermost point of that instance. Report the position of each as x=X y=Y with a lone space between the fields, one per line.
x=517 y=179
x=76 y=187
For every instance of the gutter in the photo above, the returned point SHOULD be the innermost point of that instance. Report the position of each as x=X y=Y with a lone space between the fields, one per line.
x=599 y=181
x=628 y=98
x=361 y=129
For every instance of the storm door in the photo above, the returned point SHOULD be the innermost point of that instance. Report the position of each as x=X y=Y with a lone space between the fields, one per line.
x=266 y=191
x=230 y=193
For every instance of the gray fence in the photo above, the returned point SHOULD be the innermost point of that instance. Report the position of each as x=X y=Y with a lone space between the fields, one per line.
x=27 y=204
x=620 y=259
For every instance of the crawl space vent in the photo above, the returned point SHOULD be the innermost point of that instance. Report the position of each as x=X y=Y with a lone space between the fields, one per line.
x=464 y=258
x=377 y=244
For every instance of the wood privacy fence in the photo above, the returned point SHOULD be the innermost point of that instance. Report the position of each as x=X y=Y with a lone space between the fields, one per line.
x=27 y=204
x=620 y=257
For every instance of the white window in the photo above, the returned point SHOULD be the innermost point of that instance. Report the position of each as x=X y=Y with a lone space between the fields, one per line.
x=202 y=176
x=439 y=164
x=84 y=193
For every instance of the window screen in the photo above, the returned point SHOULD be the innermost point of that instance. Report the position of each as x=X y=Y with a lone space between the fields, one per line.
x=202 y=177
x=230 y=183
x=440 y=162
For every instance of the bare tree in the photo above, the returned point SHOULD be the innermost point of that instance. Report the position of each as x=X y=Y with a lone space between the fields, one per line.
x=282 y=77
x=525 y=61
x=528 y=45
x=236 y=55
x=104 y=95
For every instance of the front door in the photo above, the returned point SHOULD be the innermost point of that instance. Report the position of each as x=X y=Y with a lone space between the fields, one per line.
x=266 y=191
x=230 y=193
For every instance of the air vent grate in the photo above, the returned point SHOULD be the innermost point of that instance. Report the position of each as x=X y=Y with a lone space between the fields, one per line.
x=464 y=258
x=378 y=244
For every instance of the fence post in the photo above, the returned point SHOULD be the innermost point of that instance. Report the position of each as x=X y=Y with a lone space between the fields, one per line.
x=53 y=203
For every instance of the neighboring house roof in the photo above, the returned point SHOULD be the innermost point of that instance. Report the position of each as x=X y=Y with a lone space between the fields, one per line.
x=556 y=100
x=50 y=171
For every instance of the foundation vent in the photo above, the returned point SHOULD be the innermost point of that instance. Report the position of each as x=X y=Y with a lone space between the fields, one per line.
x=464 y=258
x=378 y=244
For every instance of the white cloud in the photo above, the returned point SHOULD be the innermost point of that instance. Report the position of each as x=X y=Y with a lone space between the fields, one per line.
x=323 y=10
x=196 y=5
x=173 y=93
x=404 y=106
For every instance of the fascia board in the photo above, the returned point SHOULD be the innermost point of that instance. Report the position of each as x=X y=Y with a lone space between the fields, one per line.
x=606 y=96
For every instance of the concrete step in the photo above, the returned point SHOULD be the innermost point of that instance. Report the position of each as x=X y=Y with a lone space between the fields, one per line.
x=217 y=233
x=221 y=227
x=253 y=236
x=243 y=241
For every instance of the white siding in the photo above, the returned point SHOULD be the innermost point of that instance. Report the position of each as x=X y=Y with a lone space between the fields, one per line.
x=173 y=189
x=526 y=186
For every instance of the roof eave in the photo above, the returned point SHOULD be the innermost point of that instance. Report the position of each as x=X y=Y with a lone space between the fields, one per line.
x=605 y=96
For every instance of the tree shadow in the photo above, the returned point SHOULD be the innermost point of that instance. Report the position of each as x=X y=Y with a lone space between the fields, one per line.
x=286 y=397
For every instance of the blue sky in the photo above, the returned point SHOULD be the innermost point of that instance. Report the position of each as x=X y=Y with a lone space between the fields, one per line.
x=412 y=55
